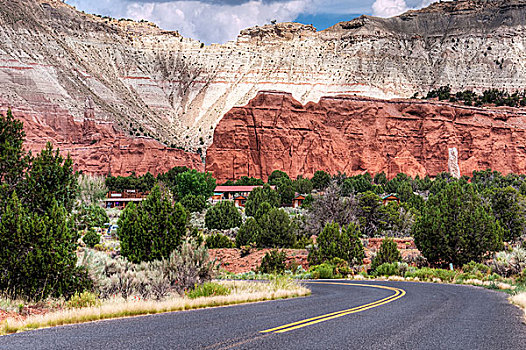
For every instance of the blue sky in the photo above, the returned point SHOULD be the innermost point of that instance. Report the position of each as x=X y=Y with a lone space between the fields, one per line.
x=217 y=21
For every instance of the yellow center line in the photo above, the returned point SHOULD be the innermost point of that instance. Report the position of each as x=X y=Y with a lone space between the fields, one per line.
x=313 y=320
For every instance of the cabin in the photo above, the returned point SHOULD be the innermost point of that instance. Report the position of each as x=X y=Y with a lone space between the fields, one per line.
x=390 y=198
x=231 y=192
x=240 y=201
x=120 y=200
x=298 y=201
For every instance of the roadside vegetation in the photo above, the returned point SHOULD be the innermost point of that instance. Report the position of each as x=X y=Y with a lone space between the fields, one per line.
x=63 y=253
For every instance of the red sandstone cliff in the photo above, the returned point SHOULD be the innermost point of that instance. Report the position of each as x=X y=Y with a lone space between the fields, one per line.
x=98 y=148
x=354 y=135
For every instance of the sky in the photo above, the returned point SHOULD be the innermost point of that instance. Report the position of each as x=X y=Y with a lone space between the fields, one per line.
x=217 y=21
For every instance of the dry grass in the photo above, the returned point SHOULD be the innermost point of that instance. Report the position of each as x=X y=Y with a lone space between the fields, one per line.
x=520 y=300
x=242 y=292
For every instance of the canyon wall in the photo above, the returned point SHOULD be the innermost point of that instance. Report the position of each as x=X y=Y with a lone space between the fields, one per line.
x=356 y=134
x=98 y=148
x=148 y=81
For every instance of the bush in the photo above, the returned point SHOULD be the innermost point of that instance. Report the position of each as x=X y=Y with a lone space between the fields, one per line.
x=208 y=289
x=275 y=230
x=273 y=262
x=222 y=216
x=258 y=196
x=387 y=269
x=91 y=238
x=37 y=255
x=508 y=264
x=194 y=203
x=84 y=299
x=456 y=227
x=336 y=242
x=388 y=253
x=153 y=229
x=248 y=233
x=218 y=240
x=195 y=183
x=323 y=271
x=428 y=274
x=91 y=216
x=475 y=268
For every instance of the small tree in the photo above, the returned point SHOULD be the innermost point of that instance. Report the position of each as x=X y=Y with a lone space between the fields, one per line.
x=153 y=229
x=248 y=233
x=50 y=178
x=388 y=253
x=455 y=227
x=222 y=216
x=91 y=238
x=91 y=216
x=275 y=230
x=38 y=256
x=277 y=176
x=92 y=189
x=509 y=211
x=194 y=203
x=335 y=242
x=194 y=182
x=321 y=180
x=13 y=159
x=258 y=196
x=273 y=262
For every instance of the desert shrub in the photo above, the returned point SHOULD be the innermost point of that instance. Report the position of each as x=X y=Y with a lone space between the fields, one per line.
x=189 y=266
x=248 y=233
x=91 y=216
x=323 y=271
x=91 y=238
x=37 y=255
x=222 y=216
x=387 y=269
x=509 y=263
x=258 y=196
x=276 y=230
x=273 y=262
x=208 y=289
x=341 y=267
x=218 y=240
x=84 y=299
x=428 y=274
x=388 y=253
x=194 y=203
x=153 y=229
x=475 y=268
x=456 y=227
x=336 y=242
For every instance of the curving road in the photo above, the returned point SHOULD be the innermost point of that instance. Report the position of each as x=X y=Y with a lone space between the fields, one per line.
x=338 y=315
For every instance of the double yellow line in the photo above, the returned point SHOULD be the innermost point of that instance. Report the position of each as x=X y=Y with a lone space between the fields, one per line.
x=310 y=321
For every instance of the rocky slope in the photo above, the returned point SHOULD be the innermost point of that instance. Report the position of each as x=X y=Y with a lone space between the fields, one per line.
x=98 y=148
x=356 y=134
x=176 y=89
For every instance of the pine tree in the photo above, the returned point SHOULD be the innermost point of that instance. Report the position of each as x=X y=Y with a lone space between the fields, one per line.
x=258 y=196
x=455 y=227
x=222 y=216
x=153 y=229
x=388 y=253
x=13 y=159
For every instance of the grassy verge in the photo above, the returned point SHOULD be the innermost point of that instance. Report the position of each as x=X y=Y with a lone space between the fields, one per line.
x=520 y=300
x=240 y=292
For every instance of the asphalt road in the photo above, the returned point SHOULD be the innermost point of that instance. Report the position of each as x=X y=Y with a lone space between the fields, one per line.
x=407 y=316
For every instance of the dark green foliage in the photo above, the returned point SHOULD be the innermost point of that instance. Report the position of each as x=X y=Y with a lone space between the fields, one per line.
x=335 y=242
x=218 y=240
x=91 y=216
x=455 y=227
x=273 y=262
x=380 y=179
x=321 y=180
x=303 y=186
x=388 y=253
x=37 y=258
x=50 y=178
x=13 y=159
x=286 y=192
x=276 y=176
x=356 y=184
x=222 y=216
x=307 y=203
x=275 y=230
x=169 y=177
x=91 y=238
x=194 y=182
x=248 y=181
x=258 y=196
x=372 y=214
x=248 y=233
x=121 y=183
x=443 y=93
x=194 y=203
x=153 y=229
x=491 y=96
x=508 y=210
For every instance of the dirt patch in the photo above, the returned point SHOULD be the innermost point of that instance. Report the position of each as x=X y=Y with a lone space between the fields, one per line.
x=232 y=261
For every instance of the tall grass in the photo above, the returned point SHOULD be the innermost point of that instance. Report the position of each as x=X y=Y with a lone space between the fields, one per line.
x=241 y=292
x=520 y=300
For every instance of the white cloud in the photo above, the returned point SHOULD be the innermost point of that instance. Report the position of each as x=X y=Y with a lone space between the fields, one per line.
x=213 y=21
x=389 y=8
